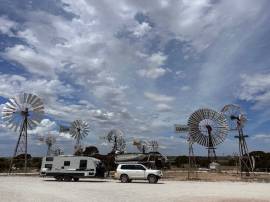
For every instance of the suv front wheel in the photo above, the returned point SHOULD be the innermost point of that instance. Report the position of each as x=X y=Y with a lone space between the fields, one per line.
x=152 y=179
x=124 y=179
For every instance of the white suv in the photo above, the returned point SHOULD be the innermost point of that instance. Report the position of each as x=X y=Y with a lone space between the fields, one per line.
x=128 y=172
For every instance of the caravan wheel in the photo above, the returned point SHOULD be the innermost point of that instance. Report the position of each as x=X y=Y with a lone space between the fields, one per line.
x=76 y=179
x=58 y=178
x=67 y=179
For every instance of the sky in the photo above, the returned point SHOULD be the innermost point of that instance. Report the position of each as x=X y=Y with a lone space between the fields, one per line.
x=139 y=66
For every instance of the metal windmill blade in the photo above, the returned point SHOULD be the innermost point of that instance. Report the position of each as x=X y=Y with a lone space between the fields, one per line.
x=203 y=121
x=78 y=130
x=234 y=116
x=24 y=105
x=116 y=137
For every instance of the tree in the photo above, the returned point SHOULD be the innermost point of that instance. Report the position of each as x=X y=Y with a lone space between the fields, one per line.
x=181 y=160
x=78 y=152
x=90 y=151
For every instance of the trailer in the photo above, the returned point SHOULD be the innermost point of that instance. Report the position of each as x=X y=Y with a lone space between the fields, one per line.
x=67 y=167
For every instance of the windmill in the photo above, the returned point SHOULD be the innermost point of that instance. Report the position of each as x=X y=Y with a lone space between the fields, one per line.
x=57 y=150
x=146 y=146
x=180 y=128
x=78 y=130
x=153 y=145
x=237 y=120
x=49 y=141
x=116 y=137
x=20 y=114
x=141 y=145
x=208 y=128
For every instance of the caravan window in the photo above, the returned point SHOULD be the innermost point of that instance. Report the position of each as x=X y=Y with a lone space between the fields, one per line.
x=66 y=163
x=49 y=166
x=49 y=158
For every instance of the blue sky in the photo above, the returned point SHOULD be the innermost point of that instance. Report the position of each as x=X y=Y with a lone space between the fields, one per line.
x=140 y=66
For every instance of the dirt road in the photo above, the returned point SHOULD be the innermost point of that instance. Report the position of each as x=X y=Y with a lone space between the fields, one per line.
x=37 y=189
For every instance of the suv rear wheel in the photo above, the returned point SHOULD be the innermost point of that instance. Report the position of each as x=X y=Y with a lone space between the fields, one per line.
x=152 y=179
x=124 y=179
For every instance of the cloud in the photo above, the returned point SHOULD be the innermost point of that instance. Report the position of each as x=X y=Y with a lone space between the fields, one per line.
x=152 y=73
x=7 y=25
x=154 y=63
x=255 y=88
x=158 y=97
x=163 y=107
x=32 y=61
x=141 y=29
x=45 y=128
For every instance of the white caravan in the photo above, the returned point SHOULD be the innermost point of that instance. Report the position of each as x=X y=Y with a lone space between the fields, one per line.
x=71 y=167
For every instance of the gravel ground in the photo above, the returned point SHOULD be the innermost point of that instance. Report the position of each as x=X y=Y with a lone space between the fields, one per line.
x=18 y=188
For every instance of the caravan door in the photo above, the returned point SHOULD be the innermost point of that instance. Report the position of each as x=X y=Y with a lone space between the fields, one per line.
x=83 y=165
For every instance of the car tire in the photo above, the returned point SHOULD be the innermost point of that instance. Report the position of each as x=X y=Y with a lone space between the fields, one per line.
x=124 y=179
x=152 y=179
x=75 y=179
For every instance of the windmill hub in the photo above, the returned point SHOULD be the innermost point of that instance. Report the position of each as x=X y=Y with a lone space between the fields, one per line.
x=25 y=112
x=234 y=117
x=209 y=129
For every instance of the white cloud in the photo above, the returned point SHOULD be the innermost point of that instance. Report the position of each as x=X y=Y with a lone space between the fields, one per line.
x=154 y=63
x=45 y=128
x=32 y=61
x=255 y=88
x=152 y=73
x=185 y=88
x=163 y=107
x=7 y=25
x=141 y=29
x=158 y=97
x=261 y=138
x=157 y=59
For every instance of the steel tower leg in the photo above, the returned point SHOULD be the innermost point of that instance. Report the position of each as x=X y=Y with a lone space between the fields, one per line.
x=245 y=163
x=191 y=161
x=21 y=146
x=211 y=149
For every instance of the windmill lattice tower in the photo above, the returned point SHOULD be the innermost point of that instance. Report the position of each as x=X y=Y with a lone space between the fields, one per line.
x=21 y=113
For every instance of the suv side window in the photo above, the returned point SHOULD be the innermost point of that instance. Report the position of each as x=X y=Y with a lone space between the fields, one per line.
x=124 y=167
x=128 y=167
x=139 y=167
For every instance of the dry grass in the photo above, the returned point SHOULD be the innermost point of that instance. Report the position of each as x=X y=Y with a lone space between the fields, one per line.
x=178 y=175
